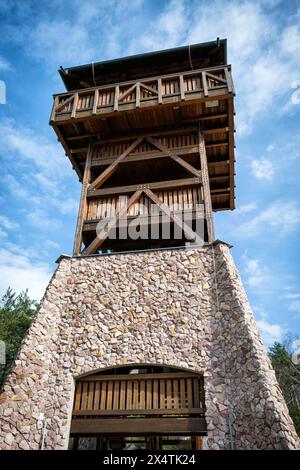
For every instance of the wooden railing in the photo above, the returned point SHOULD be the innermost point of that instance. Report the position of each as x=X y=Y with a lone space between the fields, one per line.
x=140 y=394
x=151 y=91
x=176 y=200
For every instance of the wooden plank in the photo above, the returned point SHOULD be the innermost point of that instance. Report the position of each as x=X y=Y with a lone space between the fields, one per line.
x=154 y=426
x=78 y=392
x=82 y=212
x=99 y=240
x=163 y=375
x=55 y=104
x=142 y=394
x=187 y=230
x=95 y=104
x=127 y=92
x=155 y=394
x=206 y=188
x=129 y=395
x=169 y=393
x=91 y=393
x=97 y=395
x=189 y=390
x=149 y=394
x=228 y=80
x=148 y=88
x=181 y=84
x=116 y=395
x=204 y=83
x=74 y=106
x=103 y=396
x=170 y=184
x=109 y=400
x=84 y=396
x=116 y=98
x=150 y=412
x=111 y=169
x=183 y=394
x=135 y=404
x=63 y=103
x=196 y=393
x=122 y=395
x=189 y=168
x=162 y=393
x=175 y=394
x=138 y=95
x=143 y=156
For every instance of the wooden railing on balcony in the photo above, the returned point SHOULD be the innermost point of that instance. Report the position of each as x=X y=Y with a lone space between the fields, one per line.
x=166 y=89
x=139 y=394
x=176 y=200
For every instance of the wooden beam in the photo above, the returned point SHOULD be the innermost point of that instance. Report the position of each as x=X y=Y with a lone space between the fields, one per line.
x=131 y=426
x=116 y=98
x=99 y=240
x=95 y=103
x=161 y=411
x=74 y=106
x=152 y=155
x=162 y=185
x=83 y=204
x=172 y=216
x=112 y=168
x=189 y=168
x=206 y=188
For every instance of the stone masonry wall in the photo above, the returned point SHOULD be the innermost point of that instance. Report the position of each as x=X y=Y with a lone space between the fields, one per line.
x=183 y=308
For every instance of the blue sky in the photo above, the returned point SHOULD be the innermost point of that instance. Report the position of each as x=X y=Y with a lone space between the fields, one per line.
x=39 y=192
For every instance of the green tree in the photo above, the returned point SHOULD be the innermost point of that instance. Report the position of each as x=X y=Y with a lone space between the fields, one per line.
x=288 y=376
x=16 y=315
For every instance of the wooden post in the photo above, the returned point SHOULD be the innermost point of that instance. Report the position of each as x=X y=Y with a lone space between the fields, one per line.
x=83 y=203
x=74 y=107
x=206 y=187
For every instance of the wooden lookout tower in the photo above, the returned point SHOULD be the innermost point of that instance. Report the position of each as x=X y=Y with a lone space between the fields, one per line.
x=145 y=337
x=153 y=129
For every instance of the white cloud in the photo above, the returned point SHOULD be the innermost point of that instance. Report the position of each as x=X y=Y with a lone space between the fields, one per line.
x=258 y=274
x=4 y=65
x=3 y=234
x=295 y=306
x=282 y=217
x=262 y=169
x=19 y=272
x=39 y=218
x=244 y=209
x=270 y=332
x=8 y=223
x=292 y=296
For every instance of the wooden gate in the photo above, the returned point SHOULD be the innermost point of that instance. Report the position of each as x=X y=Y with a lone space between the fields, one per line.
x=133 y=404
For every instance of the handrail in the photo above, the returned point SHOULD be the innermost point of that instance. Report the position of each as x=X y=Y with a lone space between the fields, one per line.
x=138 y=93
x=155 y=77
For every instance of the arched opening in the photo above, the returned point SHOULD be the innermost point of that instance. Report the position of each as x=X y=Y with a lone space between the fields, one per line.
x=139 y=406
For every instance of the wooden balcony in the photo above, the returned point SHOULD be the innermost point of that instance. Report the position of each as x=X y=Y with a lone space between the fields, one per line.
x=103 y=101
x=166 y=402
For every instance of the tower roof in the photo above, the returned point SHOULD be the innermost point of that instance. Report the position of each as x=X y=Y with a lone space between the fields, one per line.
x=208 y=54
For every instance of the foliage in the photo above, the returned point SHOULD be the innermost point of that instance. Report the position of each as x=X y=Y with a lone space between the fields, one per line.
x=16 y=315
x=288 y=376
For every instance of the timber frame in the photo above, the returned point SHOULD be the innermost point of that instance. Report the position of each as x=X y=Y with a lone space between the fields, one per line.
x=165 y=139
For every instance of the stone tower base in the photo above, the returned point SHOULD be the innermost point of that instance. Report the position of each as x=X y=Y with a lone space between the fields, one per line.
x=182 y=308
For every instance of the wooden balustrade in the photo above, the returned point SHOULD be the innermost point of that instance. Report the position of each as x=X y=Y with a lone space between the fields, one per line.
x=176 y=200
x=151 y=91
x=140 y=394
